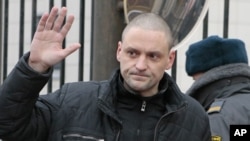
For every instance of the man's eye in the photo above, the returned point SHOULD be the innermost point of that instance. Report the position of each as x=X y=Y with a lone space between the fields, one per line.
x=154 y=56
x=131 y=53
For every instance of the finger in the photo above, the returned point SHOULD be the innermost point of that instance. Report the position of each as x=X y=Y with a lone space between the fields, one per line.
x=60 y=19
x=51 y=18
x=42 y=22
x=70 y=49
x=65 y=29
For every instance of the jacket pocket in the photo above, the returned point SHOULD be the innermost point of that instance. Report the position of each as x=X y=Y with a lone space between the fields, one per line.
x=79 y=137
x=80 y=134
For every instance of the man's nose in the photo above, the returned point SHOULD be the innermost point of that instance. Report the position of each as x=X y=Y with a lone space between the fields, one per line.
x=141 y=63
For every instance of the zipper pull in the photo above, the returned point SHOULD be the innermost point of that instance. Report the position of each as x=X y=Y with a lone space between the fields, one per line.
x=143 y=106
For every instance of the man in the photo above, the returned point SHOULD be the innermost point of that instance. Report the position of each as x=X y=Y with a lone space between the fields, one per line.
x=139 y=102
x=222 y=82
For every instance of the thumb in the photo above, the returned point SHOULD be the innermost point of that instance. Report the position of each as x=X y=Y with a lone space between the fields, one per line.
x=70 y=49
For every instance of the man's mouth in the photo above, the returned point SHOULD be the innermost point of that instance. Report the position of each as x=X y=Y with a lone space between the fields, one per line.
x=139 y=76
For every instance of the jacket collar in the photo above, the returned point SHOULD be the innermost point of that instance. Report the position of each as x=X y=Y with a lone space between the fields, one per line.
x=209 y=85
x=108 y=95
x=218 y=73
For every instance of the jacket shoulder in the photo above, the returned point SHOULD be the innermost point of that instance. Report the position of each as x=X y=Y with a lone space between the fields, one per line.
x=193 y=104
x=195 y=108
x=77 y=93
x=216 y=106
x=93 y=88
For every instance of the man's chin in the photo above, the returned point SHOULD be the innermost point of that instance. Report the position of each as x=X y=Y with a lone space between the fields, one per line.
x=137 y=87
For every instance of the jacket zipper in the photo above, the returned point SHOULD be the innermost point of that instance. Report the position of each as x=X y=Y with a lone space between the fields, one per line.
x=83 y=137
x=143 y=106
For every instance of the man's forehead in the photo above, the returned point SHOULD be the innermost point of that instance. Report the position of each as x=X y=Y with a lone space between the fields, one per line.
x=145 y=48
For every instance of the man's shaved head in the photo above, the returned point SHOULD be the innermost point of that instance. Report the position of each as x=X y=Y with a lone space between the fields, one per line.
x=150 y=21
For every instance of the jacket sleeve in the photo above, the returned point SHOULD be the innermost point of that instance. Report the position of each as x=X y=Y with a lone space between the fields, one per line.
x=20 y=119
x=219 y=127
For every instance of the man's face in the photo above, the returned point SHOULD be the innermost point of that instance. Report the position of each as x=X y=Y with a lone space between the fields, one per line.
x=144 y=56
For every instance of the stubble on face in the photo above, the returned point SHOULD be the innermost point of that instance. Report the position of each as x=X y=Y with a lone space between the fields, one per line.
x=140 y=72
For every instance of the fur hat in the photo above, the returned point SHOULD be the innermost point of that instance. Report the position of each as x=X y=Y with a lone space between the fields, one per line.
x=212 y=52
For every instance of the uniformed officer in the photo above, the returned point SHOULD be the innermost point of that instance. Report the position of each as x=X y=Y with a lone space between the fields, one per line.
x=222 y=82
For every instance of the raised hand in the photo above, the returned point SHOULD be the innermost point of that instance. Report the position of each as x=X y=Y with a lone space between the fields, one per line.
x=46 y=47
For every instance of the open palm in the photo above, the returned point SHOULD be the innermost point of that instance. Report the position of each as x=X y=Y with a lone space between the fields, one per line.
x=46 y=47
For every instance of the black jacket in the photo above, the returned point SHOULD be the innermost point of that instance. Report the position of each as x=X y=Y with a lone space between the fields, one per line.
x=224 y=92
x=86 y=111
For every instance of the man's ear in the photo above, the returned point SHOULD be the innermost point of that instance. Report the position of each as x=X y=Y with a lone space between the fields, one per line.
x=118 y=52
x=171 y=58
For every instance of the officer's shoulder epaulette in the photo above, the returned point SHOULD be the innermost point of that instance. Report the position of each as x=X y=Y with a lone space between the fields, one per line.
x=216 y=106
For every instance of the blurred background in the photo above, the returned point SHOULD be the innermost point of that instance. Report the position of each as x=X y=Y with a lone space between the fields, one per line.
x=98 y=26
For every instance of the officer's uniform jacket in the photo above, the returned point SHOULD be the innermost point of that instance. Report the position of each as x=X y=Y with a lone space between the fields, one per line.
x=224 y=92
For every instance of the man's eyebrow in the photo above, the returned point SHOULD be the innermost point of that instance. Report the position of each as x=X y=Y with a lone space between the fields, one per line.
x=135 y=49
x=158 y=53
x=130 y=48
